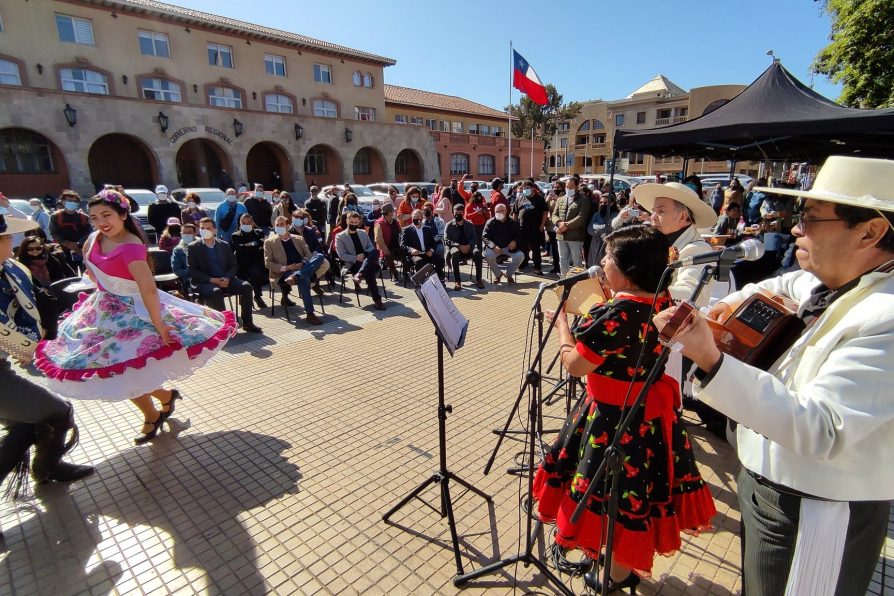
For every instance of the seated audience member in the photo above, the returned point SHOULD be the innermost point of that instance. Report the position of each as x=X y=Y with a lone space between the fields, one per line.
x=374 y=214
x=46 y=266
x=461 y=240
x=283 y=206
x=193 y=213
x=303 y=225
x=248 y=246
x=355 y=250
x=70 y=227
x=405 y=208
x=418 y=243
x=433 y=221
x=179 y=258
x=290 y=263
x=170 y=237
x=212 y=268
x=477 y=213
x=728 y=222
x=501 y=238
x=316 y=208
x=386 y=233
x=348 y=203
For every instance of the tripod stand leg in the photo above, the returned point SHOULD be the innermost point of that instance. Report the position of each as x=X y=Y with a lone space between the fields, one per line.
x=451 y=522
x=475 y=490
x=434 y=479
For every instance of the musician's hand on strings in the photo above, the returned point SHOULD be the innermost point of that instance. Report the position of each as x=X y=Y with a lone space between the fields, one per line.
x=720 y=312
x=694 y=335
x=556 y=318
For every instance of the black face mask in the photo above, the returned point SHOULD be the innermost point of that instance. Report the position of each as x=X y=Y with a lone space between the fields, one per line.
x=41 y=257
x=417 y=222
x=458 y=216
x=427 y=215
x=352 y=227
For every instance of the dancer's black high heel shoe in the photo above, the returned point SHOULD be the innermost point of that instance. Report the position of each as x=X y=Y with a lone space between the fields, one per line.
x=146 y=437
x=594 y=582
x=167 y=409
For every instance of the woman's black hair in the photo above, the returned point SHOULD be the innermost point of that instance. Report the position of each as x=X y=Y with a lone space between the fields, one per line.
x=113 y=200
x=641 y=253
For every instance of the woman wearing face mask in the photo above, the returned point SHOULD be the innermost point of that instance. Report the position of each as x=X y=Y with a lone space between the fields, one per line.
x=170 y=237
x=348 y=203
x=193 y=213
x=284 y=208
x=477 y=213
x=248 y=248
x=127 y=339
x=600 y=225
x=411 y=201
x=303 y=225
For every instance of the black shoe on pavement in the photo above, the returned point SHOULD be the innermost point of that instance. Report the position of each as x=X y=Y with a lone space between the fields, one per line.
x=260 y=302
x=252 y=328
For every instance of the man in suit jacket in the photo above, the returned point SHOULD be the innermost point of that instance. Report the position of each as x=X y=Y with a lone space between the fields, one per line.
x=355 y=250
x=291 y=263
x=212 y=268
x=418 y=243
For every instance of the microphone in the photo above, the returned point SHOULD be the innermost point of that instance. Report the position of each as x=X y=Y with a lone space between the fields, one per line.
x=591 y=273
x=750 y=250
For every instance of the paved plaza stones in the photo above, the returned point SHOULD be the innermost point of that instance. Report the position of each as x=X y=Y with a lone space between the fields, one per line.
x=288 y=448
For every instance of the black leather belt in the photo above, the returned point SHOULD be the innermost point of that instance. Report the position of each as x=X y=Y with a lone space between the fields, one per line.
x=782 y=488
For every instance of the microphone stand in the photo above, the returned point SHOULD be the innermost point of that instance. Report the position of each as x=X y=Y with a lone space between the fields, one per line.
x=613 y=461
x=532 y=383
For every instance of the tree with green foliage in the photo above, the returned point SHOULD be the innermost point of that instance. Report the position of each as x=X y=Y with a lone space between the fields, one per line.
x=542 y=120
x=861 y=52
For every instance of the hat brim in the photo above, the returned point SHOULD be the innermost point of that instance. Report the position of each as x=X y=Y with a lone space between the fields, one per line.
x=646 y=194
x=866 y=201
x=17 y=225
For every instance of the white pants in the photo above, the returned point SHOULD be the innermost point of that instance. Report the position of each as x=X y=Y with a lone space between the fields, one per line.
x=515 y=259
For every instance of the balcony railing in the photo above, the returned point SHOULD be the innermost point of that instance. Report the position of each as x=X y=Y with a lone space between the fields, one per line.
x=662 y=121
x=678 y=119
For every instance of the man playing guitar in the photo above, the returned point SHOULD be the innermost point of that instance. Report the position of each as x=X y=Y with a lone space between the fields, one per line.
x=816 y=431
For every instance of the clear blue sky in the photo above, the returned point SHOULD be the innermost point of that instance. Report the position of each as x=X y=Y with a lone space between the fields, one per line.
x=588 y=49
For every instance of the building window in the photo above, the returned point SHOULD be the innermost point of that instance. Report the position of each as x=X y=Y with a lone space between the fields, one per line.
x=75 y=30
x=431 y=124
x=484 y=129
x=400 y=119
x=325 y=108
x=619 y=120
x=581 y=139
x=599 y=139
x=498 y=131
x=361 y=162
x=277 y=102
x=362 y=113
x=154 y=44
x=473 y=129
x=225 y=97
x=563 y=127
x=368 y=80
x=315 y=162
x=598 y=125
x=416 y=120
x=322 y=73
x=640 y=117
x=516 y=165
x=275 y=65
x=357 y=78
x=9 y=73
x=487 y=165
x=160 y=90
x=456 y=127
x=400 y=164
x=563 y=143
x=220 y=55
x=25 y=152
x=459 y=163
x=584 y=126
x=444 y=125
x=663 y=114
x=82 y=80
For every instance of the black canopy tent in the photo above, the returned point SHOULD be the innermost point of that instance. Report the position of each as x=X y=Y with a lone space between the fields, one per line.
x=776 y=117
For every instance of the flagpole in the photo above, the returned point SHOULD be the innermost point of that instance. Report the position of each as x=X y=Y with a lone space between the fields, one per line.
x=509 y=158
x=532 y=152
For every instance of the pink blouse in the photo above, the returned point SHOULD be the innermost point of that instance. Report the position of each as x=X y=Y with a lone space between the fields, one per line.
x=116 y=261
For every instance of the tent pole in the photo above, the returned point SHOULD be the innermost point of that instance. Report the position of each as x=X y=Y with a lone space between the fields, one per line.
x=685 y=167
x=732 y=168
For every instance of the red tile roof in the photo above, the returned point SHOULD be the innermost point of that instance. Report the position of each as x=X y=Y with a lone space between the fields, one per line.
x=438 y=101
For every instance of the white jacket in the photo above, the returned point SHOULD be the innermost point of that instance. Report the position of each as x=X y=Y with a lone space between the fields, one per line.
x=685 y=279
x=823 y=417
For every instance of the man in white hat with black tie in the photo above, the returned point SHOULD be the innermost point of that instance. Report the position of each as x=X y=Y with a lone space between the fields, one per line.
x=816 y=431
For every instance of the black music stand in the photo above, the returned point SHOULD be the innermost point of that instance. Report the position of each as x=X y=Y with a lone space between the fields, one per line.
x=451 y=332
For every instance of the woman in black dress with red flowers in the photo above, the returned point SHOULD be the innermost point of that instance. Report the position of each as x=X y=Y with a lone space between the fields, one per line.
x=661 y=490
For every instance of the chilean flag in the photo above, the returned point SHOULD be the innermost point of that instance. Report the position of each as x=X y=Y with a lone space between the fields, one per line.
x=526 y=80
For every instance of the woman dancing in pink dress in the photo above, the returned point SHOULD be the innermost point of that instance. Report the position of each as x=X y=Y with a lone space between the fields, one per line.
x=127 y=339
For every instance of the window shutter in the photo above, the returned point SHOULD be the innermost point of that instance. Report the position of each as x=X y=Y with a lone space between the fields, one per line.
x=83 y=31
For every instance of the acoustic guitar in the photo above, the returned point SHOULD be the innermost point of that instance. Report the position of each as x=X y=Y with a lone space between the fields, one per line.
x=758 y=332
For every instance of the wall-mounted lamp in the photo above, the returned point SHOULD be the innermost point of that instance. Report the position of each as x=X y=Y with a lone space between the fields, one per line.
x=304 y=101
x=114 y=15
x=248 y=42
x=349 y=135
x=163 y=122
x=254 y=95
x=124 y=79
x=39 y=68
x=187 y=30
x=237 y=127
x=299 y=131
x=195 y=88
x=71 y=115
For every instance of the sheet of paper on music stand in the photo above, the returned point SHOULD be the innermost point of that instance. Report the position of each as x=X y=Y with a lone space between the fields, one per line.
x=584 y=295
x=451 y=323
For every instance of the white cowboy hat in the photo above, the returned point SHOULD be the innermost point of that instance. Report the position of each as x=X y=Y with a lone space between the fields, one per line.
x=645 y=195
x=15 y=225
x=856 y=181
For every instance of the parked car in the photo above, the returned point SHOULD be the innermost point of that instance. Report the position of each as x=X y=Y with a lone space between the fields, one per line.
x=382 y=187
x=621 y=181
x=211 y=197
x=22 y=205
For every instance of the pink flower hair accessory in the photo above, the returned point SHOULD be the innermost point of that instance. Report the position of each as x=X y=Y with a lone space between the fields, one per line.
x=113 y=196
